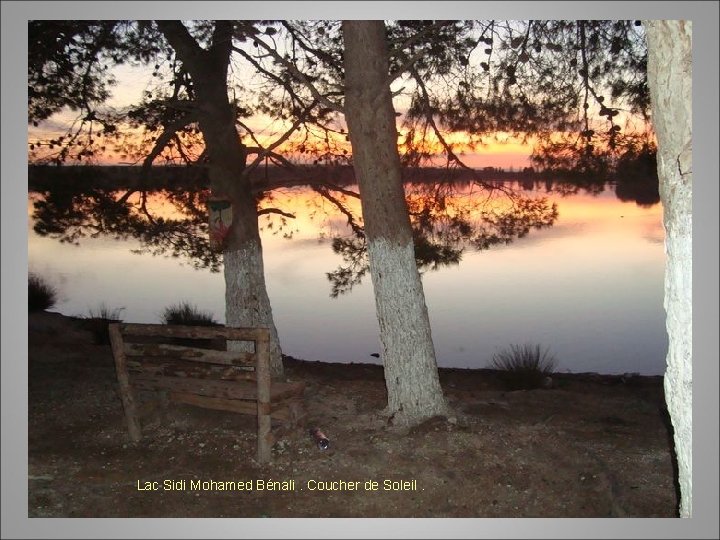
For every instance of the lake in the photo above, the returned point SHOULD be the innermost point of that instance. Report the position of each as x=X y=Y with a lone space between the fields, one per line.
x=589 y=287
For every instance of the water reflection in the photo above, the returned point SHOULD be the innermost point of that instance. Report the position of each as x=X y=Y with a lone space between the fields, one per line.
x=166 y=222
x=635 y=181
x=589 y=286
x=446 y=218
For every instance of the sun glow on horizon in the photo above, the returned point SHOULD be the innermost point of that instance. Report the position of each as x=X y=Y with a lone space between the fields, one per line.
x=498 y=151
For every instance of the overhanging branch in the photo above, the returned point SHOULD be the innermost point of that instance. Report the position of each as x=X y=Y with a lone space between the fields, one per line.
x=298 y=75
x=264 y=211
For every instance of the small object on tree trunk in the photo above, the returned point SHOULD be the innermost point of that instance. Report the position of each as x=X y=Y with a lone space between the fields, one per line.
x=220 y=220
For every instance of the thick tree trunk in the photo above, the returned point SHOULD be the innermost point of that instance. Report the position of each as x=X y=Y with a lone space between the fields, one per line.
x=408 y=355
x=670 y=81
x=246 y=299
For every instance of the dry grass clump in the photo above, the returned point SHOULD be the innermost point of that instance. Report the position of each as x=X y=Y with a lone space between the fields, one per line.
x=524 y=366
x=41 y=295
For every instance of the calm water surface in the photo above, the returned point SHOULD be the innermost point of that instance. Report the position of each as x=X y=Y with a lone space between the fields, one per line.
x=590 y=288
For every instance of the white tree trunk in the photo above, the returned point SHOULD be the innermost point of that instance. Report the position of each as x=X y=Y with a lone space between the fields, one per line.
x=246 y=301
x=411 y=375
x=246 y=298
x=670 y=81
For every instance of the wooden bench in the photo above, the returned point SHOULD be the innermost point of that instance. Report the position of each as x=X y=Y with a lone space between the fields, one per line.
x=156 y=357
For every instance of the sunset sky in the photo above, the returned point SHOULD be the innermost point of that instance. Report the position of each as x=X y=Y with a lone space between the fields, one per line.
x=133 y=81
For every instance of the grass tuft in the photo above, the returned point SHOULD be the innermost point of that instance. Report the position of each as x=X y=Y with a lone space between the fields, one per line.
x=106 y=313
x=97 y=322
x=187 y=314
x=41 y=295
x=524 y=366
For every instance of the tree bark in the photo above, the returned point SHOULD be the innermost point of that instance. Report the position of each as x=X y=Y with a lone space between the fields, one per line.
x=408 y=354
x=670 y=81
x=246 y=300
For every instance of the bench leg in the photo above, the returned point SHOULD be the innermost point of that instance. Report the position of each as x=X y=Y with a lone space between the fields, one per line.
x=265 y=438
x=126 y=394
x=131 y=415
x=262 y=372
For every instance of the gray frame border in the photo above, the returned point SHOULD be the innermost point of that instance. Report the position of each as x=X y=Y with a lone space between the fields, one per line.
x=15 y=523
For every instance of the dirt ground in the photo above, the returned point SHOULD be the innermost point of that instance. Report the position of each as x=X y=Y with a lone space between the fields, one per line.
x=589 y=446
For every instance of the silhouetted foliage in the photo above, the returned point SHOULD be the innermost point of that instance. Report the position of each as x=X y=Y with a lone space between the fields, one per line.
x=578 y=89
x=184 y=313
x=65 y=66
x=445 y=222
x=72 y=70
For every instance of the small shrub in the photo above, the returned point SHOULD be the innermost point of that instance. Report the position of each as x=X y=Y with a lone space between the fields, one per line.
x=105 y=313
x=524 y=366
x=97 y=322
x=187 y=314
x=41 y=295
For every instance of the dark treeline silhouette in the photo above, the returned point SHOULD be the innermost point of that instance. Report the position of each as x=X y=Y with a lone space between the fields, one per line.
x=635 y=178
x=43 y=176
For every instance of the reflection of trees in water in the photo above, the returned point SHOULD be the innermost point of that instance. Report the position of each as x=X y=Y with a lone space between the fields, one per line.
x=633 y=173
x=448 y=218
x=69 y=216
x=636 y=179
x=628 y=187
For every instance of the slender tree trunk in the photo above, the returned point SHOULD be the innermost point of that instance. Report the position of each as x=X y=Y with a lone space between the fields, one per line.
x=670 y=80
x=246 y=299
x=408 y=355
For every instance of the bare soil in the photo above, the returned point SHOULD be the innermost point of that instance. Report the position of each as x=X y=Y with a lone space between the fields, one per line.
x=589 y=446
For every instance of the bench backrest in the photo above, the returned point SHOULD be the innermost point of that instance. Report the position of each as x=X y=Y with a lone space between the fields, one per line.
x=148 y=356
x=162 y=350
